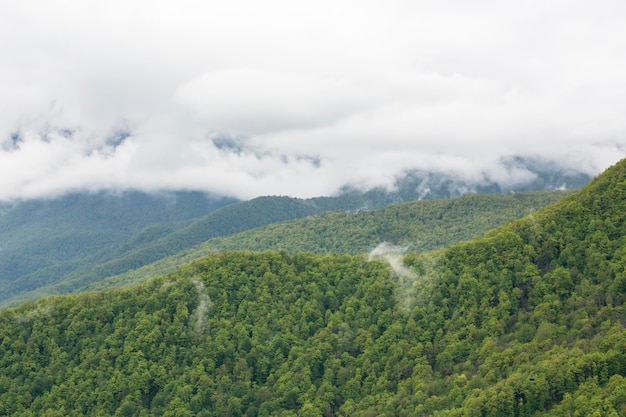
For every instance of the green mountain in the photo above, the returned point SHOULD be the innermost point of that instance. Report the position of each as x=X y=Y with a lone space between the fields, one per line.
x=70 y=263
x=418 y=226
x=68 y=242
x=41 y=241
x=62 y=244
x=526 y=321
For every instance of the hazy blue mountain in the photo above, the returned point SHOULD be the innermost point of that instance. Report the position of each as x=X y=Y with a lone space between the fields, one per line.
x=155 y=242
x=93 y=248
x=43 y=240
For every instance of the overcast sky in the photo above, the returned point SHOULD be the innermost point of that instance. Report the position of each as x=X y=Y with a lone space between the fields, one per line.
x=307 y=95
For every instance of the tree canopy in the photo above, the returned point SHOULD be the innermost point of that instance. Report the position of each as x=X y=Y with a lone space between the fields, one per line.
x=525 y=321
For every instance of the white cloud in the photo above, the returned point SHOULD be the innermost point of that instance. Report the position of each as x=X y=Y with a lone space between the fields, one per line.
x=253 y=102
x=369 y=88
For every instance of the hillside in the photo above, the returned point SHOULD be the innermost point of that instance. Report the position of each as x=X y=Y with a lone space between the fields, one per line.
x=526 y=321
x=41 y=241
x=59 y=245
x=442 y=222
x=94 y=262
x=418 y=226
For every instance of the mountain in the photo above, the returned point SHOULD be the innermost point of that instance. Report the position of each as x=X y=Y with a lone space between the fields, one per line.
x=520 y=174
x=419 y=226
x=145 y=248
x=42 y=241
x=528 y=320
x=59 y=245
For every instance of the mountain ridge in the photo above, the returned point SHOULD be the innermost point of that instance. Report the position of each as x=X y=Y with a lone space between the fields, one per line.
x=45 y=242
x=526 y=321
x=357 y=232
x=441 y=222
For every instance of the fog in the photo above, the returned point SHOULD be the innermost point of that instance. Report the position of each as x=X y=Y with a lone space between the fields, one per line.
x=144 y=95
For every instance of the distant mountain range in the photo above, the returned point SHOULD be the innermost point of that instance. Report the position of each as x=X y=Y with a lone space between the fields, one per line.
x=533 y=174
x=76 y=239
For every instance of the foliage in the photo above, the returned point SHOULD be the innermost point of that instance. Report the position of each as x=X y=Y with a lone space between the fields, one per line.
x=418 y=225
x=526 y=321
x=59 y=245
x=44 y=241
x=45 y=273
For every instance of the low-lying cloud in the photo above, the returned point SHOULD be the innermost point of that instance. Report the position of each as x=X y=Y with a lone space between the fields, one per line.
x=317 y=96
x=405 y=278
x=199 y=315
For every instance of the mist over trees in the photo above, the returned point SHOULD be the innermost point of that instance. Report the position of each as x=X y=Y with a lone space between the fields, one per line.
x=64 y=245
x=526 y=321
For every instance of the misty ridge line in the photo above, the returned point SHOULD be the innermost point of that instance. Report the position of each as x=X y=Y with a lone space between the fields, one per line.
x=255 y=171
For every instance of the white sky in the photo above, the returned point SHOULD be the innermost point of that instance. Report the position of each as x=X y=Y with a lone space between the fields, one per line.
x=369 y=88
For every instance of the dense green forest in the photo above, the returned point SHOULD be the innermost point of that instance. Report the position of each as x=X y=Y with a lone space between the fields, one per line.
x=43 y=240
x=418 y=226
x=424 y=225
x=58 y=245
x=528 y=320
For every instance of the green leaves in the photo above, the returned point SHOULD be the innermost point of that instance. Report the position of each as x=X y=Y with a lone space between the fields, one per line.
x=527 y=321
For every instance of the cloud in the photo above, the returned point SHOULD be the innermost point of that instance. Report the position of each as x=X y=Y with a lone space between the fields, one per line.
x=133 y=95
x=253 y=102
x=405 y=278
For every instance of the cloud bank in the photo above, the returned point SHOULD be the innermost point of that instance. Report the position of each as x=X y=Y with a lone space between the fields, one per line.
x=310 y=97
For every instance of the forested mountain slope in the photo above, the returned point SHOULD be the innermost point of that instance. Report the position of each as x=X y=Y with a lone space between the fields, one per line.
x=58 y=245
x=418 y=226
x=526 y=321
x=55 y=247
x=424 y=225
x=41 y=241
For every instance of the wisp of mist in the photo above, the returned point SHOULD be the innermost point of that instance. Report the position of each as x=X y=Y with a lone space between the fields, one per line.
x=204 y=303
x=406 y=278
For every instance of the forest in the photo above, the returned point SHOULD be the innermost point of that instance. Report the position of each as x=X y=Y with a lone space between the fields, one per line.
x=159 y=249
x=527 y=320
x=418 y=225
